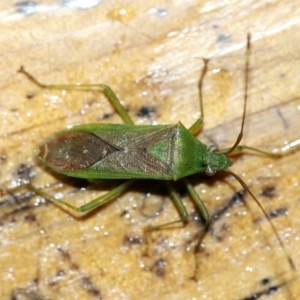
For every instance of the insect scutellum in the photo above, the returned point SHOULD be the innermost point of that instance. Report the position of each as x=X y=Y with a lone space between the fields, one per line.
x=132 y=152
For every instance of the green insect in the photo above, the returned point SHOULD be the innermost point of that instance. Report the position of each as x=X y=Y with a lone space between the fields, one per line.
x=128 y=151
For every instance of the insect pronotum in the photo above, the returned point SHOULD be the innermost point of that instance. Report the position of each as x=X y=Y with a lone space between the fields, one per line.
x=132 y=152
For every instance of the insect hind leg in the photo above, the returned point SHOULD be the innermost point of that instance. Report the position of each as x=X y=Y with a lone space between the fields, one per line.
x=114 y=100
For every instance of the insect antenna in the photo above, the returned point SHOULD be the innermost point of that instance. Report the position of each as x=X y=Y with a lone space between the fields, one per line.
x=235 y=146
x=240 y=136
x=281 y=243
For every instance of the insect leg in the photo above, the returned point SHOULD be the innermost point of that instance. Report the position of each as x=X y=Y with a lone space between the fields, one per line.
x=178 y=204
x=277 y=152
x=124 y=115
x=117 y=104
x=241 y=148
x=102 y=87
x=182 y=210
x=184 y=215
x=111 y=195
x=205 y=215
x=180 y=207
x=202 y=209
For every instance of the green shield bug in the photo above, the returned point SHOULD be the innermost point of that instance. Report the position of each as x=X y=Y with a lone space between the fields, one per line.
x=132 y=152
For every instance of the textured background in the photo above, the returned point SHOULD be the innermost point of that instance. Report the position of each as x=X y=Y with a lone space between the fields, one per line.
x=150 y=54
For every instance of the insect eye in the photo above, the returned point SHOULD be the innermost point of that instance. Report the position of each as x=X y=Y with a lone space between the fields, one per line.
x=210 y=171
x=213 y=148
